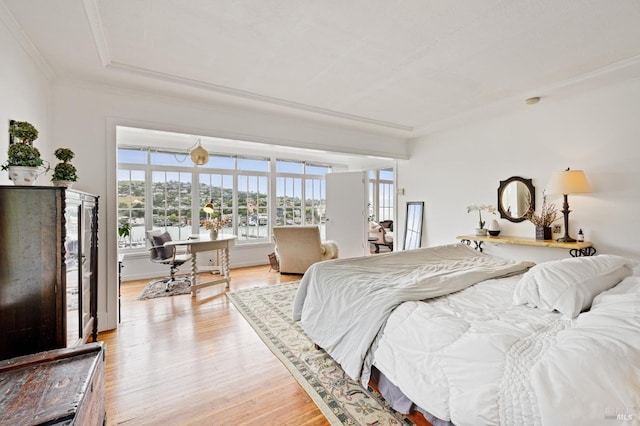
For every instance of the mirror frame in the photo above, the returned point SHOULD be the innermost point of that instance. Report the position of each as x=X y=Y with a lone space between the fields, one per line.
x=503 y=184
x=414 y=209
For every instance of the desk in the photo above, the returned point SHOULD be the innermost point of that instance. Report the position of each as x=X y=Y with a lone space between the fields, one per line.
x=204 y=243
x=575 y=249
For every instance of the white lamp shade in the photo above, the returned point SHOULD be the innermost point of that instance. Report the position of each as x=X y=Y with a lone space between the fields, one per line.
x=568 y=182
x=208 y=208
x=199 y=155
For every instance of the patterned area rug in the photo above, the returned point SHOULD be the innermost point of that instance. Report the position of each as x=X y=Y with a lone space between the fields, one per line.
x=157 y=288
x=341 y=400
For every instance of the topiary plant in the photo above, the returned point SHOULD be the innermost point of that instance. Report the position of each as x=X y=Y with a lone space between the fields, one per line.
x=21 y=152
x=24 y=155
x=64 y=170
x=64 y=154
x=23 y=130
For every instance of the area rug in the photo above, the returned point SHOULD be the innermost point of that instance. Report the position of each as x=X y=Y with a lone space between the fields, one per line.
x=341 y=400
x=157 y=288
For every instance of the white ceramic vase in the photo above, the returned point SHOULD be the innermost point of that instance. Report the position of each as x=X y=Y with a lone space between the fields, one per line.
x=213 y=234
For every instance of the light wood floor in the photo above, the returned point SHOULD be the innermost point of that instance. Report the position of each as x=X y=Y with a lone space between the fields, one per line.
x=196 y=361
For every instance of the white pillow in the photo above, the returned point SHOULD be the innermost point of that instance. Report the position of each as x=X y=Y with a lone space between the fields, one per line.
x=569 y=285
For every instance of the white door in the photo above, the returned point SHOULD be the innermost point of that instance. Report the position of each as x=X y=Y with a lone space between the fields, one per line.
x=345 y=213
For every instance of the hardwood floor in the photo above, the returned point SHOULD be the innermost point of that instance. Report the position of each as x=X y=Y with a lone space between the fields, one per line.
x=196 y=361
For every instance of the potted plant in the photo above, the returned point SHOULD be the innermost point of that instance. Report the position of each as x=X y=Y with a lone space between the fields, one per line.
x=24 y=159
x=480 y=208
x=65 y=173
x=124 y=231
x=544 y=220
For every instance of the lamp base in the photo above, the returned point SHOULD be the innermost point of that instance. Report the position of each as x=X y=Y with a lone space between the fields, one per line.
x=566 y=239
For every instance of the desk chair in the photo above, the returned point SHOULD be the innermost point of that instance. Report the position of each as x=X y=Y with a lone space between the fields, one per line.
x=167 y=256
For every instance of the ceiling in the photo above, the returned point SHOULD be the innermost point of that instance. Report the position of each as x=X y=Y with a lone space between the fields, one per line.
x=401 y=67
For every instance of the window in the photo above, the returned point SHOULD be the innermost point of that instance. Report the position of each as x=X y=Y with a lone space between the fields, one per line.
x=253 y=207
x=289 y=200
x=131 y=206
x=163 y=190
x=218 y=189
x=300 y=193
x=171 y=203
x=381 y=195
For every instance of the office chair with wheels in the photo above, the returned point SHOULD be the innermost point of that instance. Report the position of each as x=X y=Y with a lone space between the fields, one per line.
x=167 y=256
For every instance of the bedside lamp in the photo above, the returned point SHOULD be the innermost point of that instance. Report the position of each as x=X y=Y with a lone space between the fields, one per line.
x=565 y=183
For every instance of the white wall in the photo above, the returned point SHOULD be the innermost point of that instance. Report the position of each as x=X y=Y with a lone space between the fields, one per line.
x=598 y=132
x=85 y=117
x=25 y=94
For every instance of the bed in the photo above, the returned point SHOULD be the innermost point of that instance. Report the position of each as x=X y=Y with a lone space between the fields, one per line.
x=471 y=339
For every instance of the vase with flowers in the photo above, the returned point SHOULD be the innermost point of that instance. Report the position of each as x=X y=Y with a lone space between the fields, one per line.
x=543 y=221
x=480 y=208
x=214 y=226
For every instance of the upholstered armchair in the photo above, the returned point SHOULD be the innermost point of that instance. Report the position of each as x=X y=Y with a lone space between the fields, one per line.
x=298 y=247
x=381 y=234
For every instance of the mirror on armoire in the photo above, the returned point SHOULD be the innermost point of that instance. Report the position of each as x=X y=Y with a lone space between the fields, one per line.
x=413 y=225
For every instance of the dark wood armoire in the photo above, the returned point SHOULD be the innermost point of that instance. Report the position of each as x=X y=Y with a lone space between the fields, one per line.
x=48 y=269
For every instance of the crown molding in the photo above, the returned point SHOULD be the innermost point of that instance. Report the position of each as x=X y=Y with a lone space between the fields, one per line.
x=170 y=78
x=25 y=42
x=97 y=29
x=99 y=38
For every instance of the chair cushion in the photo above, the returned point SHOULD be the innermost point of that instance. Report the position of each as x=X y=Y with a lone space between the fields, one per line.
x=158 y=242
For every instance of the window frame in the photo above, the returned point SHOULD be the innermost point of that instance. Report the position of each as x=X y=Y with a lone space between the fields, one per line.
x=270 y=176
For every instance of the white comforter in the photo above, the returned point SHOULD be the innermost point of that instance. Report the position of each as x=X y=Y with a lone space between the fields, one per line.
x=344 y=303
x=475 y=359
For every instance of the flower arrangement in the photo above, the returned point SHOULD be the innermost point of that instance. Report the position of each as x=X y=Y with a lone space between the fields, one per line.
x=480 y=208
x=214 y=224
x=548 y=214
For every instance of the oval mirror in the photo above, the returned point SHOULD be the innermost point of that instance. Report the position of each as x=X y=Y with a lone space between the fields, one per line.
x=515 y=195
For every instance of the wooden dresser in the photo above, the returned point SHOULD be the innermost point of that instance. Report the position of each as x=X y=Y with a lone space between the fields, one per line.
x=57 y=387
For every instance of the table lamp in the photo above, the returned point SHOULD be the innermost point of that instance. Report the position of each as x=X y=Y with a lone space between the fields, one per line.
x=208 y=208
x=565 y=183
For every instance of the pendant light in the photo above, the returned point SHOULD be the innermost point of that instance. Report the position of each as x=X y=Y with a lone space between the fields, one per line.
x=199 y=155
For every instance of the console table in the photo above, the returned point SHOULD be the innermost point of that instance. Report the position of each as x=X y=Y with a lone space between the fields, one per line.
x=576 y=249
x=200 y=243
